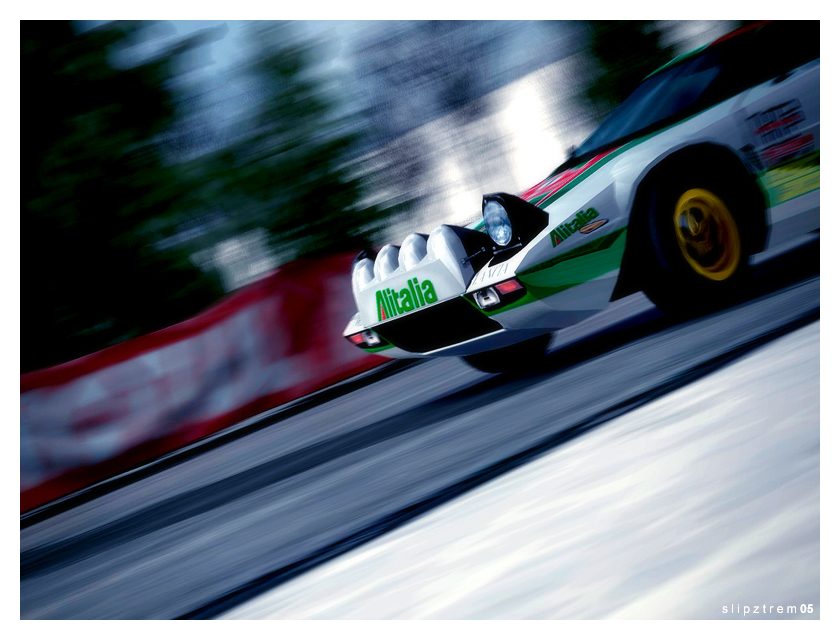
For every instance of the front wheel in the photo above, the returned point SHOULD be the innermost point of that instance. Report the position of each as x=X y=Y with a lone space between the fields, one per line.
x=517 y=357
x=696 y=258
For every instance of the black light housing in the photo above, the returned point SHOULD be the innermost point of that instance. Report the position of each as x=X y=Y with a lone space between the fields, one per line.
x=526 y=220
x=477 y=244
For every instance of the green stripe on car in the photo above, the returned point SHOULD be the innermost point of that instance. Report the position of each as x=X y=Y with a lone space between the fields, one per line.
x=575 y=267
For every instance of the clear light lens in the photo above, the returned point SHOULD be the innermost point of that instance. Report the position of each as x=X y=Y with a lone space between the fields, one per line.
x=371 y=338
x=486 y=298
x=497 y=222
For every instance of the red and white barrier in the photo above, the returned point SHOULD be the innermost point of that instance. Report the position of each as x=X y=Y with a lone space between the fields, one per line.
x=272 y=342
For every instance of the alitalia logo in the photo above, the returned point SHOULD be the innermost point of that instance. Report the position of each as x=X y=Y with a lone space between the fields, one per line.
x=564 y=230
x=391 y=303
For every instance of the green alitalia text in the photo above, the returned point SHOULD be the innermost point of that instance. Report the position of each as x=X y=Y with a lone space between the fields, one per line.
x=392 y=302
x=566 y=229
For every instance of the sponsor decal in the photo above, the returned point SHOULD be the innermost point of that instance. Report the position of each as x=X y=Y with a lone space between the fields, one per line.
x=580 y=220
x=778 y=122
x=785 y=154
x=778 y=133
x=391 y=302
x=592 y=226
x=791 y=148
x=792 y=179
x=492 y=272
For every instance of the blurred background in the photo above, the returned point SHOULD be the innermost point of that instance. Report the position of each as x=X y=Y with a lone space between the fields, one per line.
x=166 y=164
x=196 y=436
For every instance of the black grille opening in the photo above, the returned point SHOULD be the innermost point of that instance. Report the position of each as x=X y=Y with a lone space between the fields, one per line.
x=437 y=326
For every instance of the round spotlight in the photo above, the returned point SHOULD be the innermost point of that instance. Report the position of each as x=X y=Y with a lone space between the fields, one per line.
x=497 y=223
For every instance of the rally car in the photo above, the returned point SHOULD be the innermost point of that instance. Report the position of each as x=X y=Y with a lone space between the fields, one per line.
x=713 y=158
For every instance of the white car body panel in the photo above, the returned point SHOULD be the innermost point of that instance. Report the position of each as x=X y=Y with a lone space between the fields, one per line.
x=610 y=189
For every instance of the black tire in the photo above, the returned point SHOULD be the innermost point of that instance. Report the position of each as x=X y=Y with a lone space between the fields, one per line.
x=517 y=357
x=694 y=260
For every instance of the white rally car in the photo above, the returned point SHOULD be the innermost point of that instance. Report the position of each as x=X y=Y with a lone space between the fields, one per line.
x=713 y=158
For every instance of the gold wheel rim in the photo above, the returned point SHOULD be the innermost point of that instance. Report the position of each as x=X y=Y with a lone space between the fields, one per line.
x=707 y=234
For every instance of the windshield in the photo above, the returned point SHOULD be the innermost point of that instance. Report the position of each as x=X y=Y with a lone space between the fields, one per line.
x=664 y=96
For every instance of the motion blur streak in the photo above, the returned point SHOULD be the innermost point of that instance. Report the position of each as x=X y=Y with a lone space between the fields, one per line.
x=702 y=498
x=200 y=537
x=170 y=164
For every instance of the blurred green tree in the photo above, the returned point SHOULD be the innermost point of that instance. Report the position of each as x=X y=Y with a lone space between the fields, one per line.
x=112 y=211
x=98 y=195
x=291 y=171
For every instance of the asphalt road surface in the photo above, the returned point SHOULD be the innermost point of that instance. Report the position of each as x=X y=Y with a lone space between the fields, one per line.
x=215 y=530
x=702 y=504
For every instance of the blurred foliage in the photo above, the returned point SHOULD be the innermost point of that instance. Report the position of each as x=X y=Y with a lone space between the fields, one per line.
x=625 y=52
x=105 y=205
x=97 y=195
x=291 y=171
x=130 y=175
x=419 y=71
x=415 y=72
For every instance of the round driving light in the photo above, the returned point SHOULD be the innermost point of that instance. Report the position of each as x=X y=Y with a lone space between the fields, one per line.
x=497 y=223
